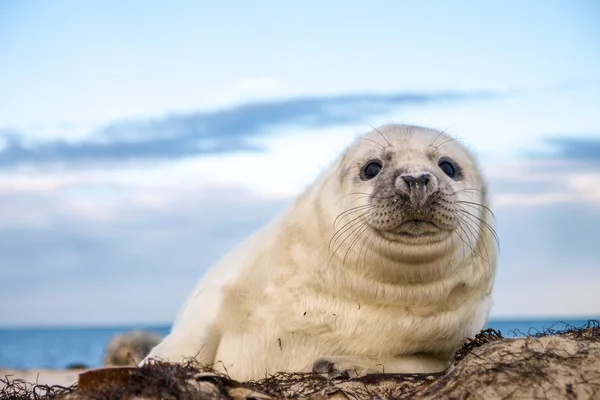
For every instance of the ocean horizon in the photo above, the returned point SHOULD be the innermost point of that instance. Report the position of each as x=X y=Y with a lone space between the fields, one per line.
x=59 y=347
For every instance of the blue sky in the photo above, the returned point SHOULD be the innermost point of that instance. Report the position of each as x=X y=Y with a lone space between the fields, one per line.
x=140 y=140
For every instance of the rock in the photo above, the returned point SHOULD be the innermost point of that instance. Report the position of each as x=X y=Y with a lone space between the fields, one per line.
x=129 y=348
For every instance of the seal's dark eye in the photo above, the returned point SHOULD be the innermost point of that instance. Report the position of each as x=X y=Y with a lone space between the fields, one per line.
x=370 y=170
x=448 y=167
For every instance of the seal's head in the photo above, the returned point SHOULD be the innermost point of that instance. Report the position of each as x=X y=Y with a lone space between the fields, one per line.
x=413 y=193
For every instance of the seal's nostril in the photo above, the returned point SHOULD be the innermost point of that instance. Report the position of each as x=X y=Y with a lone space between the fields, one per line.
x=424 y=179
x=409 y=179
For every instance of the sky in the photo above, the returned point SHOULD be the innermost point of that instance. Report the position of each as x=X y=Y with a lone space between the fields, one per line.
x=141 y=140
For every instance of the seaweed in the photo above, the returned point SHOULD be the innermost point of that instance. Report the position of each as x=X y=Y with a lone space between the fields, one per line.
x=19 y=389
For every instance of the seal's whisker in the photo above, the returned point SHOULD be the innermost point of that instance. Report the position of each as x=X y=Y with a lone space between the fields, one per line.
x=449 y=241
x=383 y=136
x=361 y=196
x=366 y=194
x=436 y=138
x=377 y=130
x=484 y=223
x=373 y=141
x=474 y=231
x=448 y=141
x=367 y=249
x=460 y=232
x=350 y=211
x=354 y=194
x=468 y=217
x=468 y=190
x=343 y=229
x=354 y=228
x=463 y=229
x=380 y=240
x=476 y=220
x=478 y=233
x=460 y=183
x=469 y=233
x=471 y=203
x=364 y=227
x=358 y=198
x=348 y=225
x=440 y=134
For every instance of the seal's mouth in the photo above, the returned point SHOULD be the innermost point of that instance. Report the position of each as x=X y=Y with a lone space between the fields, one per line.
x=417 y=227
x=415 y=231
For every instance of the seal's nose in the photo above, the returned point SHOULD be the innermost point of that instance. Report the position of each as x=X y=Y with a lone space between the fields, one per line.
x=417 y=186
x=416 y=182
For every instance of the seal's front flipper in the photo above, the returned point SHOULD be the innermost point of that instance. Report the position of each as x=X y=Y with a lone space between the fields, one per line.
x=183 y=346
x=347 y=367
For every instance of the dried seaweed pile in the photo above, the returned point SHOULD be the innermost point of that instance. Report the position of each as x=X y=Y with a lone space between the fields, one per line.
x=18 y=389
x=550 y=364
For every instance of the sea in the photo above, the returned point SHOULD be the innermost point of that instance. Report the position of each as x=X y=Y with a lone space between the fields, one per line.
x=59 y=348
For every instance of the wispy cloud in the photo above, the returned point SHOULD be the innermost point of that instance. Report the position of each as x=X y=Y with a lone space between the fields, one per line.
x=577 y=148
x=565 y=169
x=210 y=132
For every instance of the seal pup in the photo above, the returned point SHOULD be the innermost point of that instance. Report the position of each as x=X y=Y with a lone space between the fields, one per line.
x=385 y=264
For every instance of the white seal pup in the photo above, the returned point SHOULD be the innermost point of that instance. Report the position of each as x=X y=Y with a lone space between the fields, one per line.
x=385 y=264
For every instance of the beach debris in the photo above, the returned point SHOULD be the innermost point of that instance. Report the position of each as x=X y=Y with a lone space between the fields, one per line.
x=129 y=348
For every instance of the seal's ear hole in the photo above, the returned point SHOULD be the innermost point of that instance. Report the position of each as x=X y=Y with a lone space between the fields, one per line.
x=370 y=170
x=449 y=167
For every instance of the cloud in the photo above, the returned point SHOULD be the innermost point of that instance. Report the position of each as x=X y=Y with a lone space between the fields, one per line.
x=209 y=132
x=536 y=184
x=564 y=170
x=576 y=148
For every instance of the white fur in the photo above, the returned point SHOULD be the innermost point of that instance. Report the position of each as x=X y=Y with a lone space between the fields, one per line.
x=283 y=299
